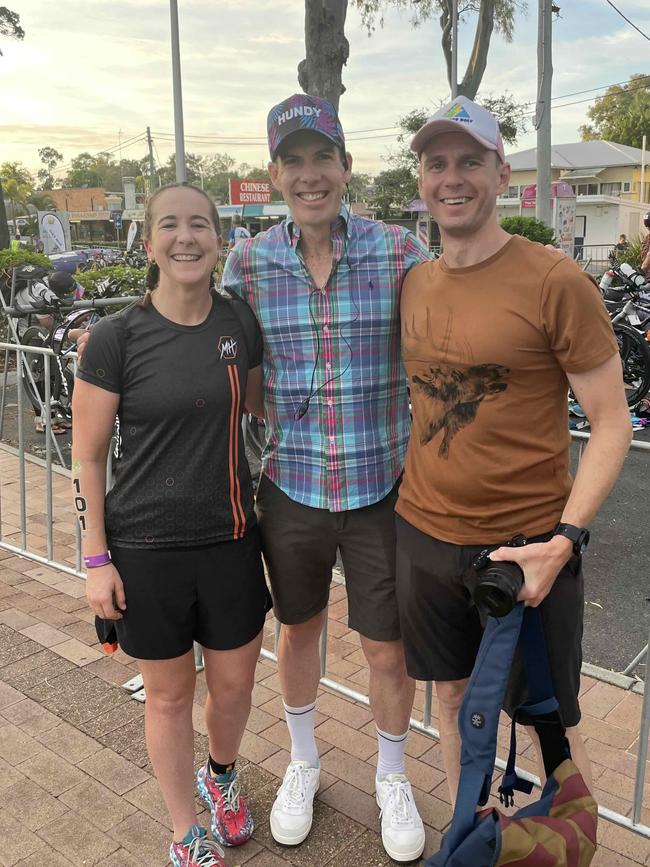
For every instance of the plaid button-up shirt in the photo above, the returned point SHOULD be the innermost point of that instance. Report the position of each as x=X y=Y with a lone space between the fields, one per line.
x=338 y=346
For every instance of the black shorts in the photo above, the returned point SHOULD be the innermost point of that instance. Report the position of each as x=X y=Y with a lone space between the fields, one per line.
x=300 y=544
x=215 y=595
x=442 y=629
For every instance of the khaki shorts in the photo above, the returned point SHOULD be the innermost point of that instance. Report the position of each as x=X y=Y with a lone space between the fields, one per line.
x=300 y=545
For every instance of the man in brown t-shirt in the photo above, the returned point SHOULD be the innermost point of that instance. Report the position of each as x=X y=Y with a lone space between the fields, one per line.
x=493 y=334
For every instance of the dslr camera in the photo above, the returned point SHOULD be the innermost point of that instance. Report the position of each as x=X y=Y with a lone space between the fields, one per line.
x=499 y=582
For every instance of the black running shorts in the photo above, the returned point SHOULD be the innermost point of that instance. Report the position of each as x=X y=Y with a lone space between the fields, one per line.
x=300 y=547
x=441 y=628
x=215 y=595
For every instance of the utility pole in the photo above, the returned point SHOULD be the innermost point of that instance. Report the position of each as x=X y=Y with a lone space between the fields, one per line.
x=152 y=170
x=543 y=111
x=179 y=134
x=454 y=49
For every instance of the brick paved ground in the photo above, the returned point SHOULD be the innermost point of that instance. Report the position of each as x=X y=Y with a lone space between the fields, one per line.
x=76 y=785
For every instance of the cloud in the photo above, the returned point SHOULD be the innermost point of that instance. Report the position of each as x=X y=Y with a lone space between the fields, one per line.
x=88 y=70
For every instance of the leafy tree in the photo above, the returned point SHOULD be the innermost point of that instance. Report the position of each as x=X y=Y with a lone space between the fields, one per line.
x=195 y=165
x=42 y=202
x=529 y=227
x=360 y=187
x=18 y=185
x=101 y=170
x=326 y=47
x=622 y=114
x=10 y=24
x=393 y=189
x=83 y=172
x=491 y=15
x=50 y=157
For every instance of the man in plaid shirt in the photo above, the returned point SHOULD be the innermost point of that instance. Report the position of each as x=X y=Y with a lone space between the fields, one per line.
x=325 y=287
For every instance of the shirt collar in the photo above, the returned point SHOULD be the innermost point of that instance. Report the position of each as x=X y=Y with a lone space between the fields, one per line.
x=340 y=226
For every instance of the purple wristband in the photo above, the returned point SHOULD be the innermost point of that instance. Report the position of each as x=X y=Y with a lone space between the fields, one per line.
x=97 y=560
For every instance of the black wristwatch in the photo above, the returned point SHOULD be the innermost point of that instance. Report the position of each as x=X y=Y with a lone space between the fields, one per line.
x=578 y=535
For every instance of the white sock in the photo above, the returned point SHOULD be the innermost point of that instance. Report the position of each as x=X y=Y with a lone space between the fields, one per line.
x=300 y=721
x=391 y=754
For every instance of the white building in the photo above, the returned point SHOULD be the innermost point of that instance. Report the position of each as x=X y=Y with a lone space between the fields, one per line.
x=612 y=196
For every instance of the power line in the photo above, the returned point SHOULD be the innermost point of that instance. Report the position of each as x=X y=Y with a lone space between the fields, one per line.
x=128 y=143
x=631 y=23
x=592 y=89
x=581 y=101
x=236 y=139
x=243 y=141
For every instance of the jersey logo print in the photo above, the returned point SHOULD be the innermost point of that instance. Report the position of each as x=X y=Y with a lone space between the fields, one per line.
x=227 y=346
x=454 y=397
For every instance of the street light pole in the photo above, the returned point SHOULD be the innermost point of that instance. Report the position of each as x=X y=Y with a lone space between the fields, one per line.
x=543 y=209
x=179 y=134
x=454 y=49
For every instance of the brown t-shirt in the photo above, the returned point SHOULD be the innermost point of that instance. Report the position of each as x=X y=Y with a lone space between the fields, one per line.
x=486 y=350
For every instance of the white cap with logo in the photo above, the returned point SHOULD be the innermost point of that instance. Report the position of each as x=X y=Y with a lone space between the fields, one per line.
x=461 y=115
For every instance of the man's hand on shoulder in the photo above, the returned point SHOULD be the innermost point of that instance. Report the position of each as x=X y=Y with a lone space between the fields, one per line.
x=541 y=563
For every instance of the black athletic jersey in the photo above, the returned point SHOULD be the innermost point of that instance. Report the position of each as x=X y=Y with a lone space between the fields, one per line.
x=181 y=478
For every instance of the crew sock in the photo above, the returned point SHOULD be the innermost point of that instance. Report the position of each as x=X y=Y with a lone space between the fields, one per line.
x=391 y=754
x=300 y=721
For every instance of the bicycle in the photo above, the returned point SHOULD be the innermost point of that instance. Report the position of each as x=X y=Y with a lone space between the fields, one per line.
x=629 y=308
x=43 y=296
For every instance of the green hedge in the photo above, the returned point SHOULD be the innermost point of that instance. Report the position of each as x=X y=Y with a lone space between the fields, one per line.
x=11 y=258
x=529 y=227
x=129 y=281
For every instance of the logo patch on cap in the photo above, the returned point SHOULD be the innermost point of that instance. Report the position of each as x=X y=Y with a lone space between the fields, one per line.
x=457 y=112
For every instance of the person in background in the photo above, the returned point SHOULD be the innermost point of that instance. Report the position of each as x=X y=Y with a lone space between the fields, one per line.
x=238 y=232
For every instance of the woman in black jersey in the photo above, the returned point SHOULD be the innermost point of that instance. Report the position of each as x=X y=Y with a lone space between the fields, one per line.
x=172 y=551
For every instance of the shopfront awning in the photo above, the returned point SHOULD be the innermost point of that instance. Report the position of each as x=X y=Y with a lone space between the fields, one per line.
x=582 y=174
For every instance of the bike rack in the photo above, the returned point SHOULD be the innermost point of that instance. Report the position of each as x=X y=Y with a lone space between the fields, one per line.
x=22 y=363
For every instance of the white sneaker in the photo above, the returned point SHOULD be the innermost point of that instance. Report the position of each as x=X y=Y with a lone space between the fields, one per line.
x=293 y=809
x=402 y=831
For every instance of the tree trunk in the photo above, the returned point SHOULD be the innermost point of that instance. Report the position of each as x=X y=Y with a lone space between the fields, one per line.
x=445 y=26
x=4 y=228
x=326 y=48
x=478 y=59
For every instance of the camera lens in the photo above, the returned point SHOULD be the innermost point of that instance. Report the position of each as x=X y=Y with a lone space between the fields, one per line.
x=498 y=587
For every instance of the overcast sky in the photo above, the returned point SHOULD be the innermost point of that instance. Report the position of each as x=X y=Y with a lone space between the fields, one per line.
x=92 y=72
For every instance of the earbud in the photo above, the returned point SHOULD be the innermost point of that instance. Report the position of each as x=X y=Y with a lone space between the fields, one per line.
x=302 y=409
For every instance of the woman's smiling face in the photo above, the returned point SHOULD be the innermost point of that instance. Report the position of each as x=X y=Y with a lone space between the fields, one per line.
x=183 y=239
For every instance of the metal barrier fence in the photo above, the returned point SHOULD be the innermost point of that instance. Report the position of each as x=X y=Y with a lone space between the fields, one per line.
x=594 y=258
x=632 y=823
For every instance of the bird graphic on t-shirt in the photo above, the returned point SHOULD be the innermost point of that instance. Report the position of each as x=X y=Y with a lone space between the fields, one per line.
x=455 y=395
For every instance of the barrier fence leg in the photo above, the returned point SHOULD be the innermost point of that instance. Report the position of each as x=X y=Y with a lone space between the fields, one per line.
x=3 y=399
x=199 y=665
x=644 y=731
x=323 y=649
x=637 y=659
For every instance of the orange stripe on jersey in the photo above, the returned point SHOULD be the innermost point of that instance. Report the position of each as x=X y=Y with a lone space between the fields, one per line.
x=239 y=520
